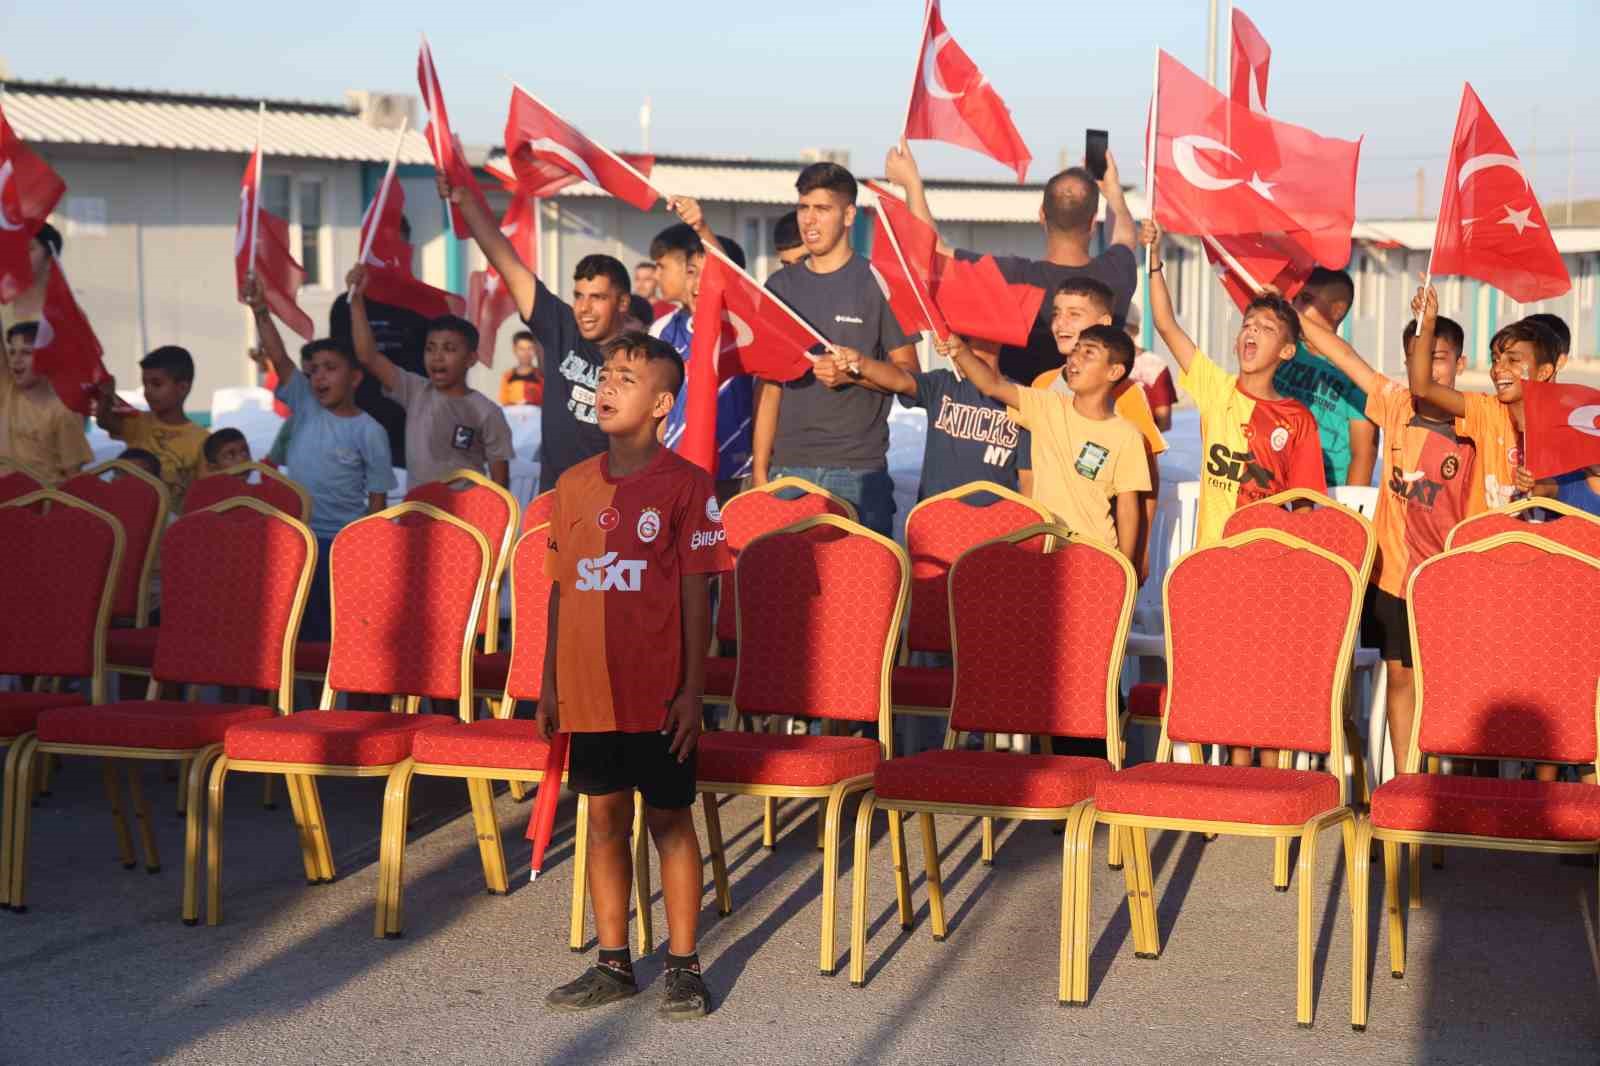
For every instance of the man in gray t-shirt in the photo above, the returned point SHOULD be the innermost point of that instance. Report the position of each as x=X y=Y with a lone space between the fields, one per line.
x=825 y=427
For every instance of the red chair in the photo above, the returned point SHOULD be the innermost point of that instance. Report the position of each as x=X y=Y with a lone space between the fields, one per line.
x=408 y=584
x=1078 y=596
x=820 y=608
x=18 y=480
x=1301 y=605
x=269 y=486
x=539 y=509
x=234 y=588
x=1499 y=675
x=53 y=617
x=501 y=748
x=1577 y=529
x=139 y=502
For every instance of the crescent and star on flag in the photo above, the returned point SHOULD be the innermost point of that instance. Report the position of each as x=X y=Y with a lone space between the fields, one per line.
x=1519 y=219
x=5 y=184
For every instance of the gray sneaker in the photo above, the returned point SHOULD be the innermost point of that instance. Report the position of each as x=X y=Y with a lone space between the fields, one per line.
x=685 y=996
x=598 y=986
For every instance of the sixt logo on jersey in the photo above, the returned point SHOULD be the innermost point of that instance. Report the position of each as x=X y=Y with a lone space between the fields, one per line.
x=607 y=573
x=1238 y=467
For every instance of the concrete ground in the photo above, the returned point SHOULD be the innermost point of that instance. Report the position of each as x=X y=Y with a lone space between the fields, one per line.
x=100 y=970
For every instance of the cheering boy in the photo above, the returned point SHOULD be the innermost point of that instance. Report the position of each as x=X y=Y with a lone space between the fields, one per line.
x=36 y=428
x=165 y=431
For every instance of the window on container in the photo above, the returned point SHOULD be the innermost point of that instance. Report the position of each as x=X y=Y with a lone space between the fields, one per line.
x=310 y=221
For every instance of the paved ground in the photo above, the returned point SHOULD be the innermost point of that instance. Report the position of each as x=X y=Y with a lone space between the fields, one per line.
x=100 y=970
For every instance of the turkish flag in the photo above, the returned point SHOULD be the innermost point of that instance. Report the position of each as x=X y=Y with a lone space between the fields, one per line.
x=388 y=259
x=1490 y=224
x=540 y=178
x=489 y=302
x=1251 y=57
x=952 y=101
x=279 y=274
x=29 y=191
x=977 y=301
x=1561 y=427
x=1224 y=170
x=66 y=350
x=448 y=157
x=536 y=135
x=904 y=254
x=1269 y=258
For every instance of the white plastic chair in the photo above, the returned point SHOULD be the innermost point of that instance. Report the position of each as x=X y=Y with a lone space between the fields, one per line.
x=1363 y=499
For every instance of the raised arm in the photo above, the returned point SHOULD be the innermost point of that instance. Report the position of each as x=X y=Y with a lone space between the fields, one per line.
x=1176 y=340
x=1419 y=359
x=985 y=378
x=1122 y=230
x=1334 y=348
x=496 y=246
x=885 y=377
x=255 y=296
x=105 y=408
x=371 y=358
x=690 y=214
x=900 y=167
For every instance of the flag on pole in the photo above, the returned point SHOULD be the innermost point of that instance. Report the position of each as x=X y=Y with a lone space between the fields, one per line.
x=29 y=191
x=1247 y=84
x=1269 y=259
x=489 y=302
x=952 y=101
x=264 y=234
x=542 y=820
x=540 y=178
x=537 y=135
x=905 y=251
x=1561 y=427
x=448 y=157
x=1490 y=224
x=388 y=259
x=66 y=350
x=977 y=301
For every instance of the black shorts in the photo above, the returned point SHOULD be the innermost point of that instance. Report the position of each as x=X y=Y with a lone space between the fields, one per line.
x=1385 y=625
x=602 y=763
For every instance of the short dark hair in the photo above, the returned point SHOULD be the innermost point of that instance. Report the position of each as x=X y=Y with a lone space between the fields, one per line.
x=1322 y=280
x=221 y=439
x=457 y=325
x=328 y=344
x=1557 y=325
x=786 y=233
x=1445 y=329
x=1280 y=309
x=28 y=331
x=50 y=237
x=732 y=249
x=678 y=237
x=636 y=342
x=1118 y=345
x=172 y=360
x=1092 y=289
x=603 y=266
x=639 y=307
x=830 y=176
x=143 y=458
x=643 y=263
x=524 y=335
x=1071 y=200
x=1546 y=345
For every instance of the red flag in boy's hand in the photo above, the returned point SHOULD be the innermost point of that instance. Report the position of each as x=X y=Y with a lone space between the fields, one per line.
x=489 y=302
x=977 y=301
x=276 y=269
x=904 y=251
x=388 y=259
x=66 y=350
x=952 y=101
x=448 y=158
x=542 y=820
x=1562 y=427
x=536 y=135
x=29 y=190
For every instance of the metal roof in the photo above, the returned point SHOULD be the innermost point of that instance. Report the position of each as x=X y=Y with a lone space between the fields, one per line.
x=1416 y=234
x=79 y=114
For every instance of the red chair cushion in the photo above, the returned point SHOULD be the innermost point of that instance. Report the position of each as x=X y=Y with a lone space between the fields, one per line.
x=989 y=778
x=768 y=759
x=719 y=675
x=489 y=670
x=1489 y=807
x=20 y=710
x=1147 y=699
x=132 y=647
x=329 y=738
x=922 y=686
x=311 y=657
x=1251 y=794
x=509 y=743
x=148 y=723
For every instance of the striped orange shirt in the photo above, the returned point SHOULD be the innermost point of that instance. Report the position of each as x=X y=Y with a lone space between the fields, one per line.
x=619 y=548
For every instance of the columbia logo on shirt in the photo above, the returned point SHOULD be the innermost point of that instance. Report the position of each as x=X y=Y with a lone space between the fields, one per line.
x=852 y=319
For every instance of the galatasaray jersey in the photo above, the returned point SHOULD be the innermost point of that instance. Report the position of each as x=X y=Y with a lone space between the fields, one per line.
x=1488 y=422
x=1251 y=448
x=619 y=548
x=1427 y=475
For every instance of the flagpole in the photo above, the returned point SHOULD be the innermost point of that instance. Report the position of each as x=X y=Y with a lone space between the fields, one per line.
x=900 y=256
x=712 y=249
x=911 y=97
x=1232 y=264
x=621 y=162
x=1150 y=153
x=255 y=194
x=383 y=193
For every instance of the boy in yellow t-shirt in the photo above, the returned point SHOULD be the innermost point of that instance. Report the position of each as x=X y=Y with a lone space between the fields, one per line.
x=36 y=428
x=165 y=431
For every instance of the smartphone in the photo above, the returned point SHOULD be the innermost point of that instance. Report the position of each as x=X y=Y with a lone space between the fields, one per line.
x=1094 y=152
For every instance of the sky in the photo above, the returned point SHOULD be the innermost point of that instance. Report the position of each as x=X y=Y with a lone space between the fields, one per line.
x=756 y=78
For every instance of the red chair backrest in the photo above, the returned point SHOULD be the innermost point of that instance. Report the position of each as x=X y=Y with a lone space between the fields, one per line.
x=489 y=509
x=1260 y=635
x=271 y=488
x=938 y=530
x=530 y=613
x=1329 y=526
x=759 y=511
x=539 y=509
x=139 y=502
x=233 y=587
x=16 y=482
x=820 y=608
x=1505 y=668
x=1074 y=605
x=55 y=600
x=1578 y=532
x=406 y=585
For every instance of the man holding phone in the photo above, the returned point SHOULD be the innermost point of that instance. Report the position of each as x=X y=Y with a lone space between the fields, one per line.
x=1071 y=205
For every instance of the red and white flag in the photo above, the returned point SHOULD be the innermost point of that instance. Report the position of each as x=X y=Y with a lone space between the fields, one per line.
x=1251 y=57
x=977 y=301
x=952 y=101
x=66 y=350
x=489 y=302
x=1490 y=224
x=388 y=259
x=448 y=157
x=540 y=178
x=537 y=135
x=1562 y=427
x=1224 y=170
x=1269 y=258
x=904 y=255
x=29 y=191
x=266 y=236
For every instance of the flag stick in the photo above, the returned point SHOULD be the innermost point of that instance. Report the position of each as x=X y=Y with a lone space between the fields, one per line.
x=383 y=193
x=621 y=162
x=911 y=97
x=255 y=194
x=1232 y=264
x=712 y=249
x=433 y=102
x=900 y=256
x=1150 y=152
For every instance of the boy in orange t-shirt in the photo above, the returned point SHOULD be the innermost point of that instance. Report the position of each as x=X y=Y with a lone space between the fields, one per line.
x=634 y=537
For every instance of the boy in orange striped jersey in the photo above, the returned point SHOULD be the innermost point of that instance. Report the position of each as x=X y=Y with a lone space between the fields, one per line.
x=634 y=537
